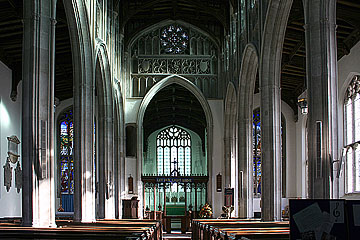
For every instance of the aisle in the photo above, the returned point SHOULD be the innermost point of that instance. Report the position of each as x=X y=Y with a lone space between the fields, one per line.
x=177 y=235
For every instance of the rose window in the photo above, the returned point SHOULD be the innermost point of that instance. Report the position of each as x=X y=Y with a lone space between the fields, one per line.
x=174 y=39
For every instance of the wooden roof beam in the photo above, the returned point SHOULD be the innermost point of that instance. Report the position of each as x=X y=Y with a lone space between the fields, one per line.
x=349 y=4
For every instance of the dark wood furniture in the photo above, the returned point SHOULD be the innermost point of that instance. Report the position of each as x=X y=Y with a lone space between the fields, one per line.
x=130 y=208
x=206 y=229
x=102 y=229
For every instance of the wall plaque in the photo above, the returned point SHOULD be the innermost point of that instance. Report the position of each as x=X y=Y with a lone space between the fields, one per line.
x=7 y=175
x=229 y=197
x=18 y=177
x=219 y=183
x=130 y=185
x=13 y=145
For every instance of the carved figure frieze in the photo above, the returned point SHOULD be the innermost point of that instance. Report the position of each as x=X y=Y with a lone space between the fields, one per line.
x=194 y=66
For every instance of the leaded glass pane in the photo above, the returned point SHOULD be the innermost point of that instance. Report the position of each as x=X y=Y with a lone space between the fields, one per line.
x=173 y=152
x=357 y=169
x=187 y=161
x=357 y=117
x=349 y=122
x=160 y=160
x=167 y=161
x=350 y=170
x=181 y=160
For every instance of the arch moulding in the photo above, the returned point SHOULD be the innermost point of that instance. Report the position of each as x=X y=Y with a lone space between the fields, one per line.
x=173 y=79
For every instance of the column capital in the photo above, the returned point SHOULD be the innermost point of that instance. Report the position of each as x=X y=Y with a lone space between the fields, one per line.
x=53 y=21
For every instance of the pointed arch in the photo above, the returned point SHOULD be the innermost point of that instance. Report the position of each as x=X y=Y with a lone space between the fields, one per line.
x=173 y=79
x=247 y=79
x=82 y=58
x=105 y=127
x=230 y=126
x=230 y=144
x=270 y=73
x=119 y=159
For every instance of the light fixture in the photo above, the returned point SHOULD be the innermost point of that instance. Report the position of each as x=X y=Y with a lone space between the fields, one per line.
x=302 y=103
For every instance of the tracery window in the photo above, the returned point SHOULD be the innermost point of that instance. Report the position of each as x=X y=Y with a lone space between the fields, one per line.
x=66 y=152
x=352 y=135
x=174 y=39
x=173 y=146
x=174 y=49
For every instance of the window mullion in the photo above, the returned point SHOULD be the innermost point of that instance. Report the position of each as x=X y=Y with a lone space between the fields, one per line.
x=353 y=141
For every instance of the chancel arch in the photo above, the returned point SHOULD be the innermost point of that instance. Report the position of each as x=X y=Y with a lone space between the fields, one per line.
x=167 y=97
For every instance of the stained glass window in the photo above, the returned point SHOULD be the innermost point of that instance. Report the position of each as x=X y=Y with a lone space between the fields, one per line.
x=173 y=152
x=174 y=39
x=352 y=135
x=257 y=153
x=66 y=152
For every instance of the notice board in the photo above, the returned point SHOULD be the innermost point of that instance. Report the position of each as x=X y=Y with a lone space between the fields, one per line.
x=317 y=219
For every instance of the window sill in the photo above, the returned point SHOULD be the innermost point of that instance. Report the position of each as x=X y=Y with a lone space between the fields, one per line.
x=351 y=196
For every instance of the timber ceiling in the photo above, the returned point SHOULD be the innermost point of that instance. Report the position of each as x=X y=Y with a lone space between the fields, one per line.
x=174 y=105
x=11 y=36
x=294 y=60
x=209 y=15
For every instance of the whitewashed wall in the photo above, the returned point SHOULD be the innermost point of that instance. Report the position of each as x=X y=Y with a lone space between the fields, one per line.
x=10 y=124
x=217 y=198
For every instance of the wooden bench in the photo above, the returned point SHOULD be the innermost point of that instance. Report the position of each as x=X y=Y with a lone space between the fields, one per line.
x=102 y=229
x=206 y=229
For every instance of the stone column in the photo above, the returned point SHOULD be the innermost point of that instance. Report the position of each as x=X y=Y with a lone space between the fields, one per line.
x=84 y=191
x=227 y=155
x=249 y=68
x=270 y=150
x=101 y=166
x=109 y=123
x=38 y=194
x=321 y=69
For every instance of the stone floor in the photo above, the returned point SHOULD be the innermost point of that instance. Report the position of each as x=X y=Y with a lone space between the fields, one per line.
x=177 y=235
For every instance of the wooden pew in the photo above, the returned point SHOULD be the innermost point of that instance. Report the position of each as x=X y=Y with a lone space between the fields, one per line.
x=102 y=229
x=206 y=229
